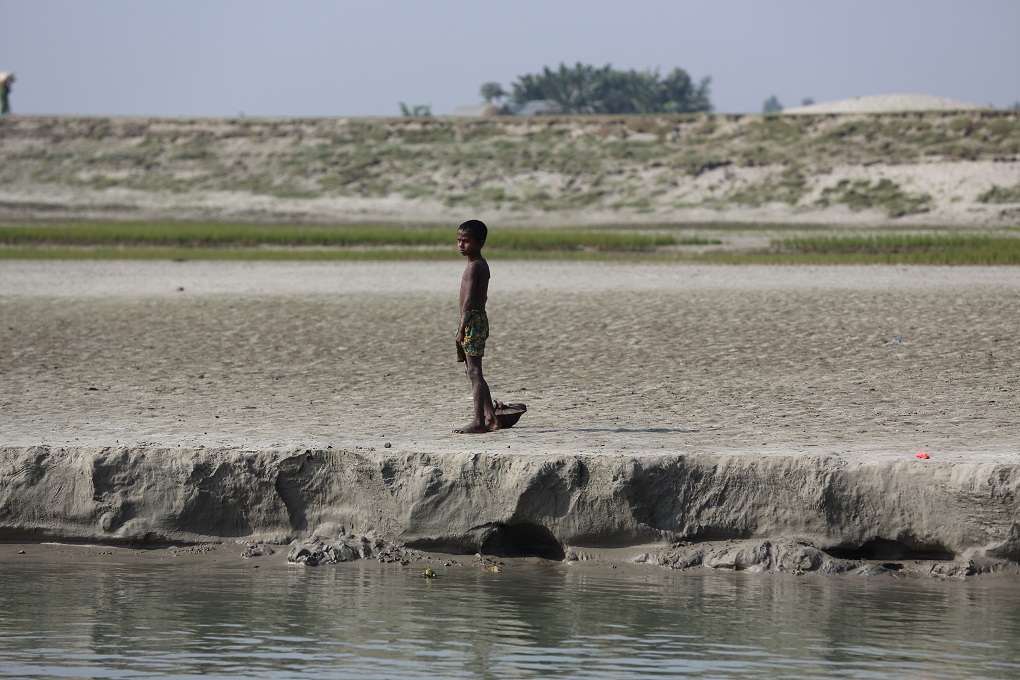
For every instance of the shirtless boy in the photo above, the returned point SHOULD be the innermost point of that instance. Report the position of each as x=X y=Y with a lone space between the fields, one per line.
x=474 y=324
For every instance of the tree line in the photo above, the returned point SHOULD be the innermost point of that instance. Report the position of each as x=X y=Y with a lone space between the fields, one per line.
x=586 y=89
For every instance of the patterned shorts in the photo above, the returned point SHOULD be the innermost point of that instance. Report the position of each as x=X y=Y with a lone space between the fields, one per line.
x=476 y=330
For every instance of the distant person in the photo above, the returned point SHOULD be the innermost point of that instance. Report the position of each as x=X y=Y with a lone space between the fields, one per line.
x=6 y=80
x=474 y=324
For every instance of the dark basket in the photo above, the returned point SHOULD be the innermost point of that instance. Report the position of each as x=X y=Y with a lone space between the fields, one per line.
x=509 y=414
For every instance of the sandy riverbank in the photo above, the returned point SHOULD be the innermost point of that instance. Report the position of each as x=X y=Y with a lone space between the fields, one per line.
x=609 y=357
x=758 y=369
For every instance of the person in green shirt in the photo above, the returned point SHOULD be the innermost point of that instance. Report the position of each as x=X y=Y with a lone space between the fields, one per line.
x=6 y=80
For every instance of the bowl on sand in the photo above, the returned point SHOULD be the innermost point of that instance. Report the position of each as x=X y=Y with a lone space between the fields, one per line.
x=508 y=414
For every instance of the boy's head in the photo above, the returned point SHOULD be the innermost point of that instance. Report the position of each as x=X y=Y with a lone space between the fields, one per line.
x=476 y=228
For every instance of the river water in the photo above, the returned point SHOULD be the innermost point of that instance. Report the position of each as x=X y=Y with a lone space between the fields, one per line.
x=175 y=621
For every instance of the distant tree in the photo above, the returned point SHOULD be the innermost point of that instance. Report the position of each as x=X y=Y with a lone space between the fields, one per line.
x=424 y=110
x=587 y=89
x=807 y=101
x=677 y=94
x=491 y=92
x=772 y=105
x=1016 y=106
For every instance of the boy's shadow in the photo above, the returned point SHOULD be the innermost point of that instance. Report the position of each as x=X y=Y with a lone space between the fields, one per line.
x=622 y=430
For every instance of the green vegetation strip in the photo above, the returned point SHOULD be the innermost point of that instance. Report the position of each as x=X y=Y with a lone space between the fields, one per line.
x=105 y=236
x=950 y=248
x=331 y=254
x=923 y=249
x=259 y=242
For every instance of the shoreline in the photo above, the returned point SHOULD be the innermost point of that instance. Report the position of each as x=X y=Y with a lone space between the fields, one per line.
x=629 y=563
x=783 y=513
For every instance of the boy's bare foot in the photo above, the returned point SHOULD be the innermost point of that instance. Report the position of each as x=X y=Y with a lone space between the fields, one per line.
x=471 y=428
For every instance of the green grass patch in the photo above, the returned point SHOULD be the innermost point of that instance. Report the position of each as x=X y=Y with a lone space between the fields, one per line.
x=789 y=188
x=884 y=195
x=326 y=254
x=222 y=253
x=944 y=249
x=428 y=242
x=186 y=235
x=1000 y=194
x=232 y=241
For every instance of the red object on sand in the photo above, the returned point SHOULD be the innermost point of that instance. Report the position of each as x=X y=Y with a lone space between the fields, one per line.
x=922 y=454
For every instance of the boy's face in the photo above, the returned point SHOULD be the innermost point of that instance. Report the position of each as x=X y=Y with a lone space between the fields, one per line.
x=468 y=245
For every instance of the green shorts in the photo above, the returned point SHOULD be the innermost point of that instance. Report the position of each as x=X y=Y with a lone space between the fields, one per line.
x=476 y=330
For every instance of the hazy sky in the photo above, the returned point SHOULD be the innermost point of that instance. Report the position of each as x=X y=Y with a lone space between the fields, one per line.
x=337 y=58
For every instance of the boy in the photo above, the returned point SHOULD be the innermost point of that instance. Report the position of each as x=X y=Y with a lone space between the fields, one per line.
x=474 y=324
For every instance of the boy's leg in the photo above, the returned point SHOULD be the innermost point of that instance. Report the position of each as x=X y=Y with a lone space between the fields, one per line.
x=485 y=416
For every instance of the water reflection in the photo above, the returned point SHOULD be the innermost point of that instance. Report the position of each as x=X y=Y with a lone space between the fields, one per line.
x=535 y=621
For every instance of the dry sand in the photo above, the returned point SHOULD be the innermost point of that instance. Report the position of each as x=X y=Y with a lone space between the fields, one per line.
x=610 y=358
x=886 y=103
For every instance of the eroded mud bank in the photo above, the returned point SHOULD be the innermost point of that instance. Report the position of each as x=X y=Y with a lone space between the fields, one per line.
x=553 y=506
